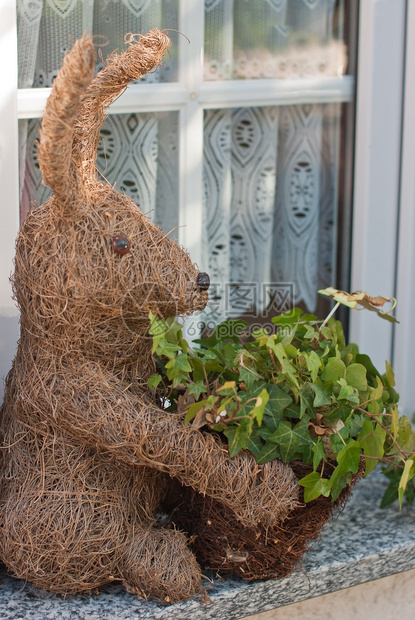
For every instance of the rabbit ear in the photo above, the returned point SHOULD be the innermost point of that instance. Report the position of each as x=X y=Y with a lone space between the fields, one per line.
x=56 y=135
x=108 y=84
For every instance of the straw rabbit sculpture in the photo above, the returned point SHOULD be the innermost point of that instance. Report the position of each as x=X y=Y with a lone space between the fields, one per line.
x=88 y=455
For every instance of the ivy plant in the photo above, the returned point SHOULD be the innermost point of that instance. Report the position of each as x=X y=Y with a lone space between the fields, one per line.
x=297 y=393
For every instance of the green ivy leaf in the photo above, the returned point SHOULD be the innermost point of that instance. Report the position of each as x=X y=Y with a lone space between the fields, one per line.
x=277 y=402
x=178 y=367
x=348 y=461
x=319 y=453
x=288 y=370
x=197 y=389
x=287 y=340
x=229 y=354
x=193 y=410
x=291 y=350
x=255 y=443
x=269 y=452
x=404 y=432
x=389 y=375
x=154 y=380
x=257 y=412
x=277 y=348
x=338 y=332
x=288 y=318
x=356 y=376
x=248 y=376
x=212 y=354
x=179 y=362
x=373 y=407
x=326 y=331
x=324 y=348
x=355 y=423
x=391 y=494
x=338 y=484
x=174 y=329
x=346 y=391
x=322 y=395
x=293 y=411
x=291 y=439
x=335 y=369
x=314 y=486
x=264 y=432
x=407 y=475
x=213 y=366
x=157 y=330
x=311 y=333
x=237 y=439
x=313 y=362
x=306 y=400
x=377 y=392
x=365 y=360
x=372 y=439
x=167 y=349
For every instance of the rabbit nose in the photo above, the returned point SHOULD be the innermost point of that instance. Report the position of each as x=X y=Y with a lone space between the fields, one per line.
x=203 y=281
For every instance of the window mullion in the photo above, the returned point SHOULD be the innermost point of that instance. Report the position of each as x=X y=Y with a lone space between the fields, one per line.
x=137 y=98
x=265 y=92
x=191 y=20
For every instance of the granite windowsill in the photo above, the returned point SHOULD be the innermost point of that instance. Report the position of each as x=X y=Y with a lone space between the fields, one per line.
x=362 y=544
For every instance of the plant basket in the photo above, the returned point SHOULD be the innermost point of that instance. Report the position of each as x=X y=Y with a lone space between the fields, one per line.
x=221 y=544
x=298 y=397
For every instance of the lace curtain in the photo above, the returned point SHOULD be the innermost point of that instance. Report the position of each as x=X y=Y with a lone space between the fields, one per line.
x=274 y=38
x=270 y=173
x=131 y=154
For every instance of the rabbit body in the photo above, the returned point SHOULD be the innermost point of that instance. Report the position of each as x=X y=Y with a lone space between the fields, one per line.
x=88 y=456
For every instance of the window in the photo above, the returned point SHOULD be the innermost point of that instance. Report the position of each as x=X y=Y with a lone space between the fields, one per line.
x=243 y=143
x=272 y=77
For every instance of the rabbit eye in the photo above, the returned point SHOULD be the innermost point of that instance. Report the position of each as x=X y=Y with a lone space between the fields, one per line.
x=121 y=244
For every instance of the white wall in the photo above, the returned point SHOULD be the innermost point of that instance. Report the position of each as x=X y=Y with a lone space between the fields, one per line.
x=9 y=183
x=380 y=80
x=390 y=598
x=404 y=340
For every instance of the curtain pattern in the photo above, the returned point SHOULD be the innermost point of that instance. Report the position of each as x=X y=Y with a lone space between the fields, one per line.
x=129 y=152
x=270 y=174
x=144 y=167
x=240 y=176
x=270 y=200
x=274 y=38
x=138 y=152
x=297 y=202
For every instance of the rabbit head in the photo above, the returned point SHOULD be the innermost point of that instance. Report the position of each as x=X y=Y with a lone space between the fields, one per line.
x=89 y=264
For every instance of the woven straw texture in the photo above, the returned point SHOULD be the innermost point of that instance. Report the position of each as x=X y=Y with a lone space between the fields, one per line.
x=88 y=457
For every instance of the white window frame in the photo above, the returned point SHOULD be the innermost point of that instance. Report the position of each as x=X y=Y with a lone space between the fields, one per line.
x=9 y=184
x=377 y=166
x=404 y=334
x=191 y=96
x=383 y=233
x=9 y=147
